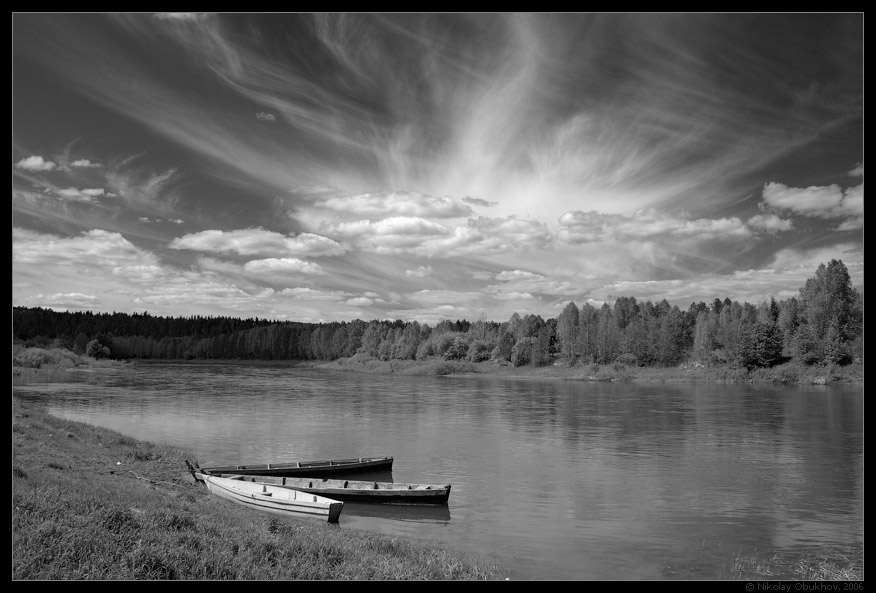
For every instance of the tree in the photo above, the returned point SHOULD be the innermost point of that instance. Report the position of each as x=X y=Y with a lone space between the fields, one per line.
x=625 y=310
x=95 y=349
x=805 y=346
x=458 y=348
x=704 y=335
x=567 y=331
x=504 y=346
x=607 y=336
x=521 y=354
x=828 y=299
x=588 y=320
x=761 y=345
x=672 y=338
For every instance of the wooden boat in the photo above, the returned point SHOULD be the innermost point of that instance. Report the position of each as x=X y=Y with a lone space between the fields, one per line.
x=306 y=469
x=358 y=491
x=275 y=499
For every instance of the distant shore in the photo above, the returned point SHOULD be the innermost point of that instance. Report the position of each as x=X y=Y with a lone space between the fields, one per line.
x=785 y=374
x=788 y=374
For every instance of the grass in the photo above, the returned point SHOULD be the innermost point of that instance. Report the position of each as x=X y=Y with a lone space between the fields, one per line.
x=365 y=364
x=91 y=504
x=816 y=564
x=785 y=374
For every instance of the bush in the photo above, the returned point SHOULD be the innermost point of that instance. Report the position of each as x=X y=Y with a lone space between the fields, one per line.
x=36 y=358
x=627 y=359
x=480 y=351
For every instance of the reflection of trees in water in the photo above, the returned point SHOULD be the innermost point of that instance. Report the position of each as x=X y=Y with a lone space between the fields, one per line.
x=827 y=430
x=763 y=408
x=633 y=418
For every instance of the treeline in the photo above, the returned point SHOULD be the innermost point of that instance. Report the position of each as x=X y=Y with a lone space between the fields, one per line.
x=823 y=324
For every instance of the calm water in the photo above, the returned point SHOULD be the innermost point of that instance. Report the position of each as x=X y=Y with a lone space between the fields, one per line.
x=553 y=479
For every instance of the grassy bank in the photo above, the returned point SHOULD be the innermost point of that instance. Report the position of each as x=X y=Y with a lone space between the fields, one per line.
x=36 y=364
x=787 y=374
x=817 y=564
x=90 y=503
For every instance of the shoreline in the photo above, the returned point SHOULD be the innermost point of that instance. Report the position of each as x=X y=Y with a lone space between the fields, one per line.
x=787 y=374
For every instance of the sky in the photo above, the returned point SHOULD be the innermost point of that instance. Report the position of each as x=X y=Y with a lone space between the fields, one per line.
x=331 y=167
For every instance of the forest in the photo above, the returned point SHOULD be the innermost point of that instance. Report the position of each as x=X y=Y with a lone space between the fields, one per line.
x=821 y=325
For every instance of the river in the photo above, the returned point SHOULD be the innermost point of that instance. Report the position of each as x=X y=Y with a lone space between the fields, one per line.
x=553 y=479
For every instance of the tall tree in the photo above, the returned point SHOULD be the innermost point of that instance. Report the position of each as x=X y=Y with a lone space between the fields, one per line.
x=567 y=331
x=828 y=299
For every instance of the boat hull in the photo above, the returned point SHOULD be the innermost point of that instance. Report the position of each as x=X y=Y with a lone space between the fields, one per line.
x=330 y=467
x=275 y=499
x=362 y=491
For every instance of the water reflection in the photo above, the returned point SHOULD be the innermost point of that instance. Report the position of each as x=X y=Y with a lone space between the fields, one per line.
x=399 y=512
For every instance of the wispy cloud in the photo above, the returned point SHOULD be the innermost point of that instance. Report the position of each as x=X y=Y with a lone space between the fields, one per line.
x=770 y=223
x=284 y=265
x=479 y=202
x=84 y=163
x=411 y=204
x=419 y=272
x=180 y=16
x=582 y=227
x=70 y=301
x=254 y=242
x=85 y=195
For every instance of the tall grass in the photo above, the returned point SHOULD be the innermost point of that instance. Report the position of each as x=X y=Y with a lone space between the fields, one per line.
x=366 y=364
x=816 y=564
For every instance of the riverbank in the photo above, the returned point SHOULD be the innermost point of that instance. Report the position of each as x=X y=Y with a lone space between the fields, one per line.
x=89 y=503
x=787 y=374
x=35 y=365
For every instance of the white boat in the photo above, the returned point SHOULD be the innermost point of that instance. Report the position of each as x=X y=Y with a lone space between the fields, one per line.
x=265 y=497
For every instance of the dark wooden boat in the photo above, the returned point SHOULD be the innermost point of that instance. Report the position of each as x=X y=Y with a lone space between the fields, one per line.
x=355 y=490
x=305 y=469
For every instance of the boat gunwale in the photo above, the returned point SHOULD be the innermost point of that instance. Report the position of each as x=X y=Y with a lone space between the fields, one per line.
x=329 y=465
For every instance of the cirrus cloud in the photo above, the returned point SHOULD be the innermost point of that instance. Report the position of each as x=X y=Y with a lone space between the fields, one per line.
x=399 y=203
x=423 y=237
x=84 y=164
x=585 y=227
x=419 y=272
x=61 y=301
x=82 y=195
x=258 y=242
x=770 y=223
x=283 y=265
